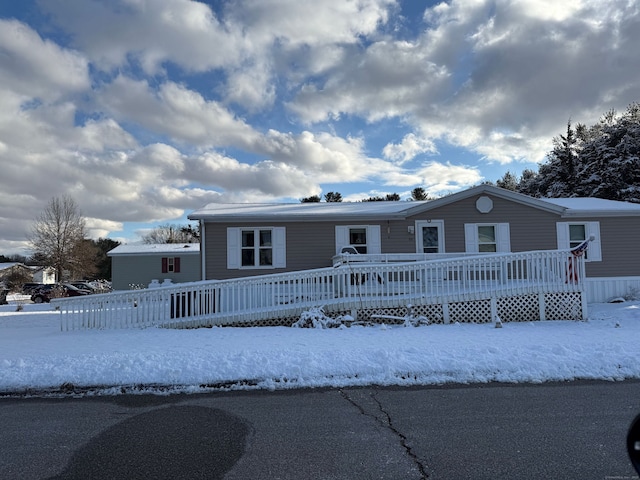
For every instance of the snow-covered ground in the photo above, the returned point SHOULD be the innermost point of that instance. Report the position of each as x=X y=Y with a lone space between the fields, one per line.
x=35 y=355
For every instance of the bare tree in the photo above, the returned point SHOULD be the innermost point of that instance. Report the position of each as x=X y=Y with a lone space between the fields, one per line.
x=57 y=234
x=170 y=233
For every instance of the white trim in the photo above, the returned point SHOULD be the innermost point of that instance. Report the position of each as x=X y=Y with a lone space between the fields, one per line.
x=203 y=262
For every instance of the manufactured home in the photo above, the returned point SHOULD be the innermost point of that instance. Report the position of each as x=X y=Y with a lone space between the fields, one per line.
x=240 y=240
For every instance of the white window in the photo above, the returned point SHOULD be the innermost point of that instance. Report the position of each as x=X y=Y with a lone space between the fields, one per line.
x=487 y=237
x=430 y=236
x=364 y=238
x=256 y=247
x=572 y=234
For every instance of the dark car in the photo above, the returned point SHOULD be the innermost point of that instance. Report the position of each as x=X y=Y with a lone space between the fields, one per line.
x=58 y=290
x=30 y=287
x=81 y=285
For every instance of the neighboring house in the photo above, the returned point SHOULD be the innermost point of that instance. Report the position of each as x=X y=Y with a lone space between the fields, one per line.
x=240 y=240
x=44 y=274
x=135 y=266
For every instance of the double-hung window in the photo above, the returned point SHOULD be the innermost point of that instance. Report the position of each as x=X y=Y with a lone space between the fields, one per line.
x=487 y=237
x=170 y=264
x=256 y=247
x=572 y=234
x=364 y=238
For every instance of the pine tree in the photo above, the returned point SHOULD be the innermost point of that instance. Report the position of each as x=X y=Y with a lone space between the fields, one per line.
x=419 y=193
x=600 y=161
x=508 y=182
x=333 y=197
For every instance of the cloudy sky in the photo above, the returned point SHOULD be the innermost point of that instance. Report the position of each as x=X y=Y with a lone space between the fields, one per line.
x=144 y=110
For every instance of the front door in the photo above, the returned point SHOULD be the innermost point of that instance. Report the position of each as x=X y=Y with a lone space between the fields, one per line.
x=430 y=236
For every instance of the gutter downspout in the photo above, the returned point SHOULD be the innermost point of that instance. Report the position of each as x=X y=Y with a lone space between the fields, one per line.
x=203 y=253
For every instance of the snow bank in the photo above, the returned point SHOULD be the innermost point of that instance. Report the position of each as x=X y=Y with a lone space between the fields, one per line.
x=35 y=355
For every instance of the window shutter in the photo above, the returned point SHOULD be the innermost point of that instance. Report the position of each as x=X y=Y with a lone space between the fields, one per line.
x=562 y=234
x=279 y=247
x=342 y=237
x=233 y=248
x=373 y=239
x=595 y=247
x=503 y=238
x=470 y=238
x=176 y=265
x=165 y=265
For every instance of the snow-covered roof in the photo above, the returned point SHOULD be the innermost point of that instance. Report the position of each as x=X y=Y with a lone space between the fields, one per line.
x=595 y=206
x=303 y=211
x=8 y=265
x=155 y=249
x=298 y=212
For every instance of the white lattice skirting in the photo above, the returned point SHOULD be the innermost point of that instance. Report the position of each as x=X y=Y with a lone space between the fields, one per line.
x=525 y=308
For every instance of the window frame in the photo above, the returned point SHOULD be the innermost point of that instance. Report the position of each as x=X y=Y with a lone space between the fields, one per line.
x=472 y=238
x=594 y=252
x=372 y=233
x=170 y=265
x=235 y=248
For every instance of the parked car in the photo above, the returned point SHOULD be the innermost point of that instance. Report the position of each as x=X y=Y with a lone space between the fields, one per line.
x=82 y=285
x=47 y=292
x=30 y=287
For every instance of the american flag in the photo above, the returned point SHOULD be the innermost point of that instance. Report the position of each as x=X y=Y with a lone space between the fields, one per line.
x=580 y=249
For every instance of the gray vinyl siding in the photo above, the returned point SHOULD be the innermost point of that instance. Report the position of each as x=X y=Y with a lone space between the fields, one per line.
x=308 y=245
x=619 y=244
x=127 y=270
x=530 y=228
x=312 y=244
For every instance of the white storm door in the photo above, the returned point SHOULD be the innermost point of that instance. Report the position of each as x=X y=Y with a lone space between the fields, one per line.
x=430 y=236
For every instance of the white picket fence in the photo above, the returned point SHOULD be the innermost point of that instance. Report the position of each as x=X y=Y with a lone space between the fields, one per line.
x=347 y=287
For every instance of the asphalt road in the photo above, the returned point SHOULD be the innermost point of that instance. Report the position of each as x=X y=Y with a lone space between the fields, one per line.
x=551 y=431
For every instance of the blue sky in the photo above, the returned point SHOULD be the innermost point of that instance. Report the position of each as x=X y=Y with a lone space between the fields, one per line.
x=145 y=110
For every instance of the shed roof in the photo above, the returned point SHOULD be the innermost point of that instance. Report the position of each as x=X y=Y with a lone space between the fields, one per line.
x=156 y=249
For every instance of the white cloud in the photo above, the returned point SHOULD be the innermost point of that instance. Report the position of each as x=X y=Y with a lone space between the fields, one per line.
x=38 y=69
x=174 y=110
x=184 y=32
x=410 y=147
x=498 y=78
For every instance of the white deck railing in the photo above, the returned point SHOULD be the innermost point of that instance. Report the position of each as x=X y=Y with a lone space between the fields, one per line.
x=348 y=286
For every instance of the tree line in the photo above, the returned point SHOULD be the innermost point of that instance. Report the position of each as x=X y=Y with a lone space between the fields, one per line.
x=600 y=161
x=417 y=193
